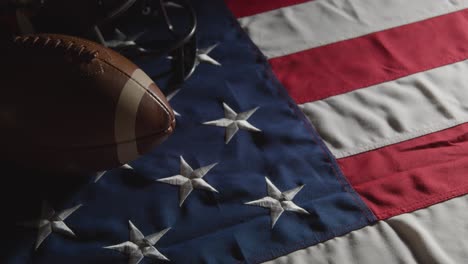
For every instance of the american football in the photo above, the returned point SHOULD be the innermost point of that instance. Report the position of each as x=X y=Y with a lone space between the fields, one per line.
x=72 y=104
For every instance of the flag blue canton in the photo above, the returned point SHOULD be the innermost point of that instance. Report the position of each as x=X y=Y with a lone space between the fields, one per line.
x=201 y=215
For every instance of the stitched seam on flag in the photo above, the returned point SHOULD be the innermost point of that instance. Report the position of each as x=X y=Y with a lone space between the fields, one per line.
x=367 y=212
x=371 y=82
x=317 y=140
x=424 y=203
x=319 y=238
x=281 y=250
x=334 y=166
x=412 y=134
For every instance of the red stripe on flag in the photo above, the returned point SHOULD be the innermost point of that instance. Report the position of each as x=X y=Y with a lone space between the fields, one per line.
x=243 y=8
x=379 y=57
x=411 y=175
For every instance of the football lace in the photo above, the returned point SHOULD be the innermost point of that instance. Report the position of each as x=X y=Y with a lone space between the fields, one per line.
x=67 y=46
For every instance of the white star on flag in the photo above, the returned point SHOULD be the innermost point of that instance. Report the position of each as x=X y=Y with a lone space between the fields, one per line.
x=140 y=246
x=202 y=56
x=50 y=221
x=122 y=40
x=233 y=122
x=278 y=201
x=189 y=179
x=99 y=174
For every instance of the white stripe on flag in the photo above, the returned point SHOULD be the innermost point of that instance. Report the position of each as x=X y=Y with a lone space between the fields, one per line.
x=304 y=26
x=436 y=234
x=392 y=112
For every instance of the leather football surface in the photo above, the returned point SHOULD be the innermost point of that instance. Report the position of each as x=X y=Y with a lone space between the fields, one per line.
x=72 y=104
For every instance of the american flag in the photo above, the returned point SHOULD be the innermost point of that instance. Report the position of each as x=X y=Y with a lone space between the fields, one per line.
x=326 y=131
